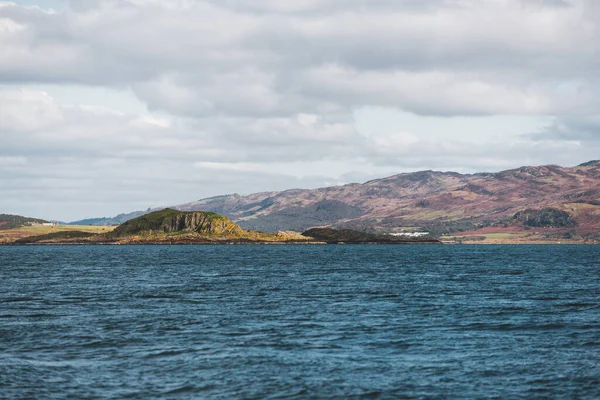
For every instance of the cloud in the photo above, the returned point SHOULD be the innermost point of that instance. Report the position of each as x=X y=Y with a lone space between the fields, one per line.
x=29 y=116
x=258 y=95
x=28 y=111
x=54 y=154
x=580 y=129
x=462 y=156
x=264 y=58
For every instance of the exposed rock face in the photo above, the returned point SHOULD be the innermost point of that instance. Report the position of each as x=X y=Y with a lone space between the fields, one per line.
x=170 y=221
x=200 y=222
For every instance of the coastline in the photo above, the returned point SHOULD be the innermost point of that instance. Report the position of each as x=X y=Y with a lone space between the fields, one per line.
x=220 y=243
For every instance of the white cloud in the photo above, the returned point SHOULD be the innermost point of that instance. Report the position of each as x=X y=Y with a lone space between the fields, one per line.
x=207 y=97
x=199 y=58
x=28 y=111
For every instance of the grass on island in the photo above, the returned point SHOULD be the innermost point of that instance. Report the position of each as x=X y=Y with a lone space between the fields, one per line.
x=431 y=215
x=504 y=235
x=191 y=236
x=10 y=235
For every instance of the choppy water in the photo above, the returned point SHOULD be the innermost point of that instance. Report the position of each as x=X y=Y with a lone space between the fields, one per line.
x=300 y=322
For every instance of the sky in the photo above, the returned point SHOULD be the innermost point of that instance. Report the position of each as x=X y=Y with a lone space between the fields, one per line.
x=110 y=106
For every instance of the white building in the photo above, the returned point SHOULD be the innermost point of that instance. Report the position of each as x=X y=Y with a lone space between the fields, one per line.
x=410 y=234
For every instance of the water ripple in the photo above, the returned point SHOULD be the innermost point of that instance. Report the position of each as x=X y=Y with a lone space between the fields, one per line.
x=287 y=322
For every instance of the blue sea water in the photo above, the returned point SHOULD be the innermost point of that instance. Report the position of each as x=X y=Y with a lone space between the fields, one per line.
x=256 y=322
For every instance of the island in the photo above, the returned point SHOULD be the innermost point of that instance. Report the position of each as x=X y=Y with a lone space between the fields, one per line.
x=171 y=226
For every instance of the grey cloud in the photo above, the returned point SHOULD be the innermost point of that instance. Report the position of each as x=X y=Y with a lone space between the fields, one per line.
x=92 y=158
x=491 y=157
x=201 y=58
x=584 y=129
x=236 y=86
x=65 y=131
x=70 y=189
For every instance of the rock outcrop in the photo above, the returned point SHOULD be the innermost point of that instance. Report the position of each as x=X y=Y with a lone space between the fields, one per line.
x=172 y=221
x=544 y=218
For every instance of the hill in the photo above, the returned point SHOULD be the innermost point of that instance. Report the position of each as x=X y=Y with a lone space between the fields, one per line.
x=173 y=221
x=166 y=226
x=108 y=221
x=8 y=221
x=438 y=202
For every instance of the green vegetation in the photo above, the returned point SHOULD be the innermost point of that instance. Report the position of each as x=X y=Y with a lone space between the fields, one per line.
x=11 y=235
x=544 y=218
x=8 y=221
x=504 y=235
x=439 y=214
x=64 y=235
x=173 y=221
x=166 y=226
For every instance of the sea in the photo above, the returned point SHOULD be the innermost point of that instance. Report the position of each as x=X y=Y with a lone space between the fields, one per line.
x=300 y=322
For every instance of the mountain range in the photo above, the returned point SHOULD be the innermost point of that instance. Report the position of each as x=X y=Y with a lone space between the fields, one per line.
x=541 y=197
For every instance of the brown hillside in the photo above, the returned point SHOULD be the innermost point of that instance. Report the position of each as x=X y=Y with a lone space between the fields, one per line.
x=440 y=201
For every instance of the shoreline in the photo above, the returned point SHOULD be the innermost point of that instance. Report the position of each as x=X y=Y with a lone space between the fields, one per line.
x=308 y=243
x=208 y=244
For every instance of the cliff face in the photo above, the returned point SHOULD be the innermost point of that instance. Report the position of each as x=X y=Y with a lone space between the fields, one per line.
x=200 y=222
x=170 y=221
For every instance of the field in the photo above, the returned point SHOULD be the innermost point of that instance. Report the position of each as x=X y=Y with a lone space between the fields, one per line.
x=484 y=236
x=10 y=235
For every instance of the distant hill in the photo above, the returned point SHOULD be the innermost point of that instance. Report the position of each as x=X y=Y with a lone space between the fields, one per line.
x=8 y=221
x=108 y=221
x=439 y=202
x=540 y=197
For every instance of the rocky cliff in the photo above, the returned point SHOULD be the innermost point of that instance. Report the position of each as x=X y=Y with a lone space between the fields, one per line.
x=171 y=221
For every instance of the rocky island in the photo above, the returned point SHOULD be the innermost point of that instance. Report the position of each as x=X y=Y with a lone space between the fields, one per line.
x=170 y=226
